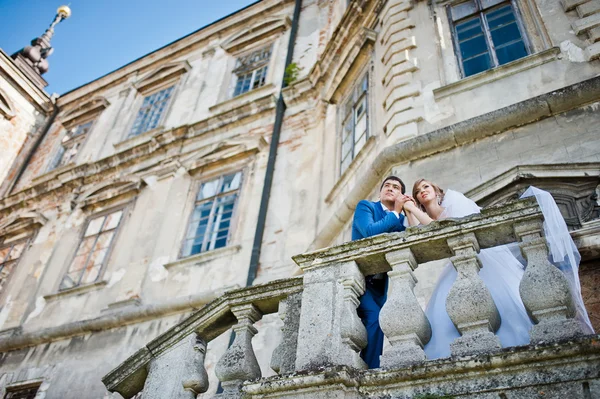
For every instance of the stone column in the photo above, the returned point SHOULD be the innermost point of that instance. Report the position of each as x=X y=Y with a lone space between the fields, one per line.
x=283 y=360
x=544 y=289
x=238 y=363
x=330 y=331
x=179 y=372
x=469 y=303
x=402 y=320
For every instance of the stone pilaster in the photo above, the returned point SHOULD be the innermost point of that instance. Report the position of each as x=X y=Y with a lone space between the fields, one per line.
x=239 y=363
x=402 y=320
x=544 y=289
x=330 y=331
x=470 y=304
x=283 y=360
x=401 y=90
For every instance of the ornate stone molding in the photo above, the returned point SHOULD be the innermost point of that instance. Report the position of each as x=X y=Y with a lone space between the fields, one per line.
x=20 y=222
x=84 y=111
x=262 y=31
x=163 y=75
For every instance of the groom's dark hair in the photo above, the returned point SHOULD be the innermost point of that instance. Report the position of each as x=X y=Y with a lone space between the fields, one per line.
x=396 y=179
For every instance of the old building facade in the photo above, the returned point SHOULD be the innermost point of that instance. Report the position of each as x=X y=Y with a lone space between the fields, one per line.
x=207 y=164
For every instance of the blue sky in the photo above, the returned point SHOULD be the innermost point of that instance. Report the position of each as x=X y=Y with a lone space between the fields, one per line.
x=103 y=35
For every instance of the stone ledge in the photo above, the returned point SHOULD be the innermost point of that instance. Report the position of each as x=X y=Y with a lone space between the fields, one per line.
x=141 y=138
x=552 y=368
x=203 y=257
x=500 y=72
x=242 y=99
x=77 y=290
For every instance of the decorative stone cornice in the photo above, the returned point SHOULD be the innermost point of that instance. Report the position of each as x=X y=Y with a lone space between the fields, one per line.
x=84 y=111
x=570 y=170
x=21 y=221
x=263 y=30
x=162 y=75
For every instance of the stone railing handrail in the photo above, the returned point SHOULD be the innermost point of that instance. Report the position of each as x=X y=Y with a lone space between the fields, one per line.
x=208 y=323
x=492 y=227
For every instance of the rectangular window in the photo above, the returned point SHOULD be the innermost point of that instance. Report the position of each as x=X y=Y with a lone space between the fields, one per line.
x=71 y=144
x=355 y=122
x=22 y=393
x=210 y=223
x=251 y=71
x=9 y=257
x=152 y=111
x=487 y=34
x=93 y=250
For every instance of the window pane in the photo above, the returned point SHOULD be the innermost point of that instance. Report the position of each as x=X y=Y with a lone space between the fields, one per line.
x=208 y=189
x=94 y=226
x=361 y=127
x=151 y=111
x=90 y=274
x=469 y=29
x=231 y=182
x=463 y=10
x=85 y=247
x=359 y=144
x=104 y=240
x=16 y=251
x=489 y=3
x=477 y=64
x=511 y=52
x=78 y=263
x=112 y=220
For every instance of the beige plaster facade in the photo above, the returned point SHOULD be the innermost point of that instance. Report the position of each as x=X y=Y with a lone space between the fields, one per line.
x=533 y=120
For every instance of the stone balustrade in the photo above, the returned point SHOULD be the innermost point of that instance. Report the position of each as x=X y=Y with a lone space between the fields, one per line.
x=172 y=365
x=323 y=335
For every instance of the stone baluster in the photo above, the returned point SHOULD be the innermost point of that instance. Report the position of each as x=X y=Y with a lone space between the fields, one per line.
x=544 y=289
x=352 y=329
x=330 y=332
x=283 y=360
x=402 y=320
x=178 y=372
x=197 y=379
x=470 y=304
x=239 y=363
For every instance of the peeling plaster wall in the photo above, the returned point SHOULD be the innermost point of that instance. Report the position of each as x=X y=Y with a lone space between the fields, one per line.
x=145 y=267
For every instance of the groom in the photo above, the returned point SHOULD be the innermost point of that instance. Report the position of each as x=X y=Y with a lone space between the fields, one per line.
x=372 y=218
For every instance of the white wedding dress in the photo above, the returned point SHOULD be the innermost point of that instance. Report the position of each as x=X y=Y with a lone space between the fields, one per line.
x=502 y=271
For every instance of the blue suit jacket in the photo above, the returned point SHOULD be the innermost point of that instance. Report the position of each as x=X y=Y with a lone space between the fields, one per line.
x=370 y=219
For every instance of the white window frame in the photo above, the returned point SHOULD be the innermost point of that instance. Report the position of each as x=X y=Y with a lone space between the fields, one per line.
x=71 y=144
x=354 y=96
x=172 y=86
x=264 y=65
x=209 y=240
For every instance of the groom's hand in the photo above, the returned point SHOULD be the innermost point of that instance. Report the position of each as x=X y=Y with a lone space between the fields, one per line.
x=400 y=201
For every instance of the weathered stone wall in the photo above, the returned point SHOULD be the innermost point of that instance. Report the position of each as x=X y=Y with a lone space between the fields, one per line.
x=415 y=90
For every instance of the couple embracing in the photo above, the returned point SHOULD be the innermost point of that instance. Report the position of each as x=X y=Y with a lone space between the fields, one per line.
x=502 y=266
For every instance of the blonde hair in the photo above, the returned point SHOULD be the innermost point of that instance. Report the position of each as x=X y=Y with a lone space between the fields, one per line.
x=439 y=192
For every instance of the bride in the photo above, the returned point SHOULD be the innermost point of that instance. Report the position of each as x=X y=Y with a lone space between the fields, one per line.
x=502 y=270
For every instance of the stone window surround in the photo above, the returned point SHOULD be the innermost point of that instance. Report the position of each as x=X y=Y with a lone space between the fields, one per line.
x=21 y=385
x=490 y=45
x=231 y=245
x=228 y=87
x=535 y=35
x=82 y=139
x=99 y=282
x=346 y=175
x=143 y=91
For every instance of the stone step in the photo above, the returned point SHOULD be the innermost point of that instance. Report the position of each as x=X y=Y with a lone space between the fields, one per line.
x=569 y=5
